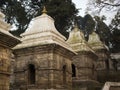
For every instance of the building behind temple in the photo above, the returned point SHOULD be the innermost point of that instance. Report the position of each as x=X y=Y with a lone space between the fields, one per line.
x=46 y=60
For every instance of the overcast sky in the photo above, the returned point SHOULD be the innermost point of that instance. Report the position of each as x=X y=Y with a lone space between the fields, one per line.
x=82 y=4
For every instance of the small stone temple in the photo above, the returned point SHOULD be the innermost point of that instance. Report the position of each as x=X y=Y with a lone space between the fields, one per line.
x=101 y=51
x=84 y=63
x=103 y=62
x=7 y=41
x=43 y=59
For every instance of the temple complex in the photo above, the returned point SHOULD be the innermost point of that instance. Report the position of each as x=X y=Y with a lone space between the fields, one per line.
x=43 y=59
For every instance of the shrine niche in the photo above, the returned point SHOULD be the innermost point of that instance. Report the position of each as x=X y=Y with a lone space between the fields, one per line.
x=31 y=74
x=73 y=70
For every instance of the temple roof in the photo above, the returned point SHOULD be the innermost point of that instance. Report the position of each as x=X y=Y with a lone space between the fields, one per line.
x=77 y=41
x=94 y=41
x=42 y=31
x=4 y=25
x=6 y=38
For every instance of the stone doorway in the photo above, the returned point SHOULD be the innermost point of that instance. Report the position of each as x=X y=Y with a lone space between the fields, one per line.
x=31 y=74
x=73 y=70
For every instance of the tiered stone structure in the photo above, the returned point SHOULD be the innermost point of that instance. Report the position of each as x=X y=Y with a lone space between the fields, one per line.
x=100 y=50
x=103 y=62
x=43 y=59
x=84 y=63
x=7 y=41
x=107 y=67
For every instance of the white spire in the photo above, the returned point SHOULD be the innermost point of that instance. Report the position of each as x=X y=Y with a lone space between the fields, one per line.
x=5 y=27
x=94 y=41
x=1 y=15
x=77 y=41
x=3 y=24
x=42 y=31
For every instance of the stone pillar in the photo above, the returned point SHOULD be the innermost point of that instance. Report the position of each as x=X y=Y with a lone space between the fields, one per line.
x=4 y=68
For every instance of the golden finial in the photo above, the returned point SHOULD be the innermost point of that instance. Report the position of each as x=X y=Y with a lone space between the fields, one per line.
x=76 y=25
x=44 y=10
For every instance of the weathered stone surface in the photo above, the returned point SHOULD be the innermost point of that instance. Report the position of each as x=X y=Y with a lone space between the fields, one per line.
x=4 y=68
x=43 y=59
x=48 y=64
x=111 y=86
x=7 y=41
x=84 y=61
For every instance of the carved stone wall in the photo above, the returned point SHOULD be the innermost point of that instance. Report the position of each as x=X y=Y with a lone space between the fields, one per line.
x=85 y=63
x=102 y=61
x=52 y=67
x=7 y=41
x=103 y=65
x=5 y=54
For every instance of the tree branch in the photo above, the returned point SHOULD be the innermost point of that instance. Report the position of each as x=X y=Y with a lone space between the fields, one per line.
x=116 y=5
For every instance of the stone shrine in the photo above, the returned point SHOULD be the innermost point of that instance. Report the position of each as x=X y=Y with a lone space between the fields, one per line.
x=7 y=41
x=84 y=63
x=43 y=59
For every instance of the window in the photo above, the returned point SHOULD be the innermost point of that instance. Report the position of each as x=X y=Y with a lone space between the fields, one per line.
x=107 y=63
x=31 y=74
x=73 y=70
x=64 y=74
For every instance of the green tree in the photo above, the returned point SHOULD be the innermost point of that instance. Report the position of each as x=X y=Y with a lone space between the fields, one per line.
x=15 y=14
x=109 y=33
x=20 y=12
x=103 y=31
x=86 y=24
x=115 y=30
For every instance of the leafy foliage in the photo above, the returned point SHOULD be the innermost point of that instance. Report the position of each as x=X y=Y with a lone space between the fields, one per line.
x=86 y=23
x=115 y=30
x=111 y=34
x=99 y=5
x=20 y=13
x=15 y=14
x=103 y=31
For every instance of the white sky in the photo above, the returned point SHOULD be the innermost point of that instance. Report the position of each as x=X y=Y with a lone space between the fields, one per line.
x=83 y=4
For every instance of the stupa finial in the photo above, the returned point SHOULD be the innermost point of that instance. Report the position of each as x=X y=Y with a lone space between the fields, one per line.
x=76 y=25
x=44 y=10
x=1 y=15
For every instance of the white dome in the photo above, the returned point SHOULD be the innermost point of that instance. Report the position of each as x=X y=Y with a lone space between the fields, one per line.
x=43 y=23
x=1 y=15
x=42 y=31
x=3 y=24
x=94 y=41
x=77 y=41
x=40 y=24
